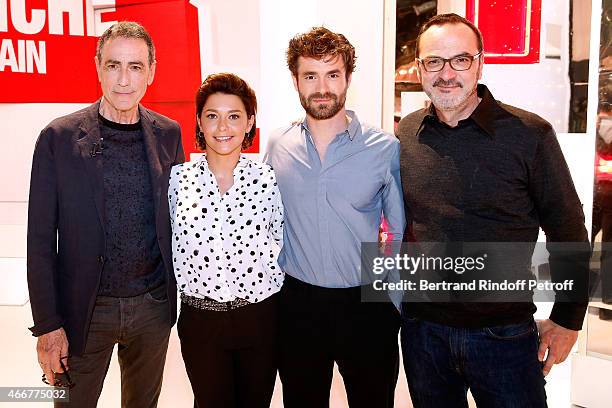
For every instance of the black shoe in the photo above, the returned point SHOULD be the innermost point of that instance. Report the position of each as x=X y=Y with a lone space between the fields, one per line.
x=605 y=314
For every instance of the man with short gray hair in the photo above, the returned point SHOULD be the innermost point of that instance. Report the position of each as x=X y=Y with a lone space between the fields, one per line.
x=99 y=254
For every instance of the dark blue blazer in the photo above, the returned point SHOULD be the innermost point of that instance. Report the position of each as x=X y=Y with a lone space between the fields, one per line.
x=66 y=240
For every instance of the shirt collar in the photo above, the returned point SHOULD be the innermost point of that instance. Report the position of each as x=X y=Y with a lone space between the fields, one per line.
x=243 y=162
x=353 y=128
x=483 y=115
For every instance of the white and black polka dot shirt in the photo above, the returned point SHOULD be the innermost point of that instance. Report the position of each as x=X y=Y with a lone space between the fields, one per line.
x=226 y=247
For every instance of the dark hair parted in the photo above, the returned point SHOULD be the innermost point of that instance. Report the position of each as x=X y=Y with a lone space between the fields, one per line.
x=319 y=43
x=230 y=84
x=449 y=18
x=126 y=29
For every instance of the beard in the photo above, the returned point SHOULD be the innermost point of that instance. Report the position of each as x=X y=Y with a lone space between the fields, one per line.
x=445 y=102
x=323 y=111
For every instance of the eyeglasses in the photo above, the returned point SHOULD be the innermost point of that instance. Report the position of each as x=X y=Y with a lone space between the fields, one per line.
x=458 y=63
x=62 y=380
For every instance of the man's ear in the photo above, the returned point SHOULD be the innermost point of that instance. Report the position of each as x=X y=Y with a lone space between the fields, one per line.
x=295 y=82
x=98 y=68
x=152 y=73
x=418 y=67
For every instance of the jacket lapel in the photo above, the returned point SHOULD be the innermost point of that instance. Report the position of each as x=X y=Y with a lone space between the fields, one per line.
x=150 y=132
x=88 y=141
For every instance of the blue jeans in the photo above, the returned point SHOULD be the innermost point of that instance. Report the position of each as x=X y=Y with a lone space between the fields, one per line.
x=499 y=364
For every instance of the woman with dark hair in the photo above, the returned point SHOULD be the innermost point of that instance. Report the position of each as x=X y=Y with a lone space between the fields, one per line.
x=227 y=218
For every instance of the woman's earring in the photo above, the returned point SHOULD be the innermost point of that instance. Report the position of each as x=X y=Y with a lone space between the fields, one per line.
x=245 y=143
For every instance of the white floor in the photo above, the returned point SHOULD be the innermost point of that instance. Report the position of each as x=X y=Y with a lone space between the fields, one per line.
x=20 y=369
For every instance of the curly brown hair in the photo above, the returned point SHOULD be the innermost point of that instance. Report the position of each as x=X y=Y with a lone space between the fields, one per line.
x=229 y=84
x=319 y=43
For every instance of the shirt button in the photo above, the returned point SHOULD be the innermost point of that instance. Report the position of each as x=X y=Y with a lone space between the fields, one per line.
x=100 y=259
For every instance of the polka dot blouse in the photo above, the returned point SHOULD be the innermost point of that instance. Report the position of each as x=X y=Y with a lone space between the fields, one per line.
x=226 y=247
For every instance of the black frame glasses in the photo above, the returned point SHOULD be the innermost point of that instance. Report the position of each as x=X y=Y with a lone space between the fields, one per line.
x=62 y=380
x=459 y=59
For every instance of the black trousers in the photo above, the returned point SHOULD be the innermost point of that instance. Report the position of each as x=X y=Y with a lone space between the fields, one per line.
x=231 y=356
x=140 y=326
x=320 y=326
x=602 y=221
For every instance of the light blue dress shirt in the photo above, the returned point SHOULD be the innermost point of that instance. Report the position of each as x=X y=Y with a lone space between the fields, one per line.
x=331 y=207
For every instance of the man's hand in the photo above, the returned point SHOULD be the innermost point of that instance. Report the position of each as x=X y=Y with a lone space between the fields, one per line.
x=51 y=347
x=557 y=340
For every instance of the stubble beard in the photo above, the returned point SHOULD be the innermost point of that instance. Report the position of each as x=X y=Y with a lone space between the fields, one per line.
x=449 y=103
x=323 y=111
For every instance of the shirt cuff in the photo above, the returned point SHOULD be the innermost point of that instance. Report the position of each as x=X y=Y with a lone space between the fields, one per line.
x=569 y=315
x=47 y=326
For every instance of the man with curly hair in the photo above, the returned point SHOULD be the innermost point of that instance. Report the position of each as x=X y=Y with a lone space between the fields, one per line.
x=337 y=177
